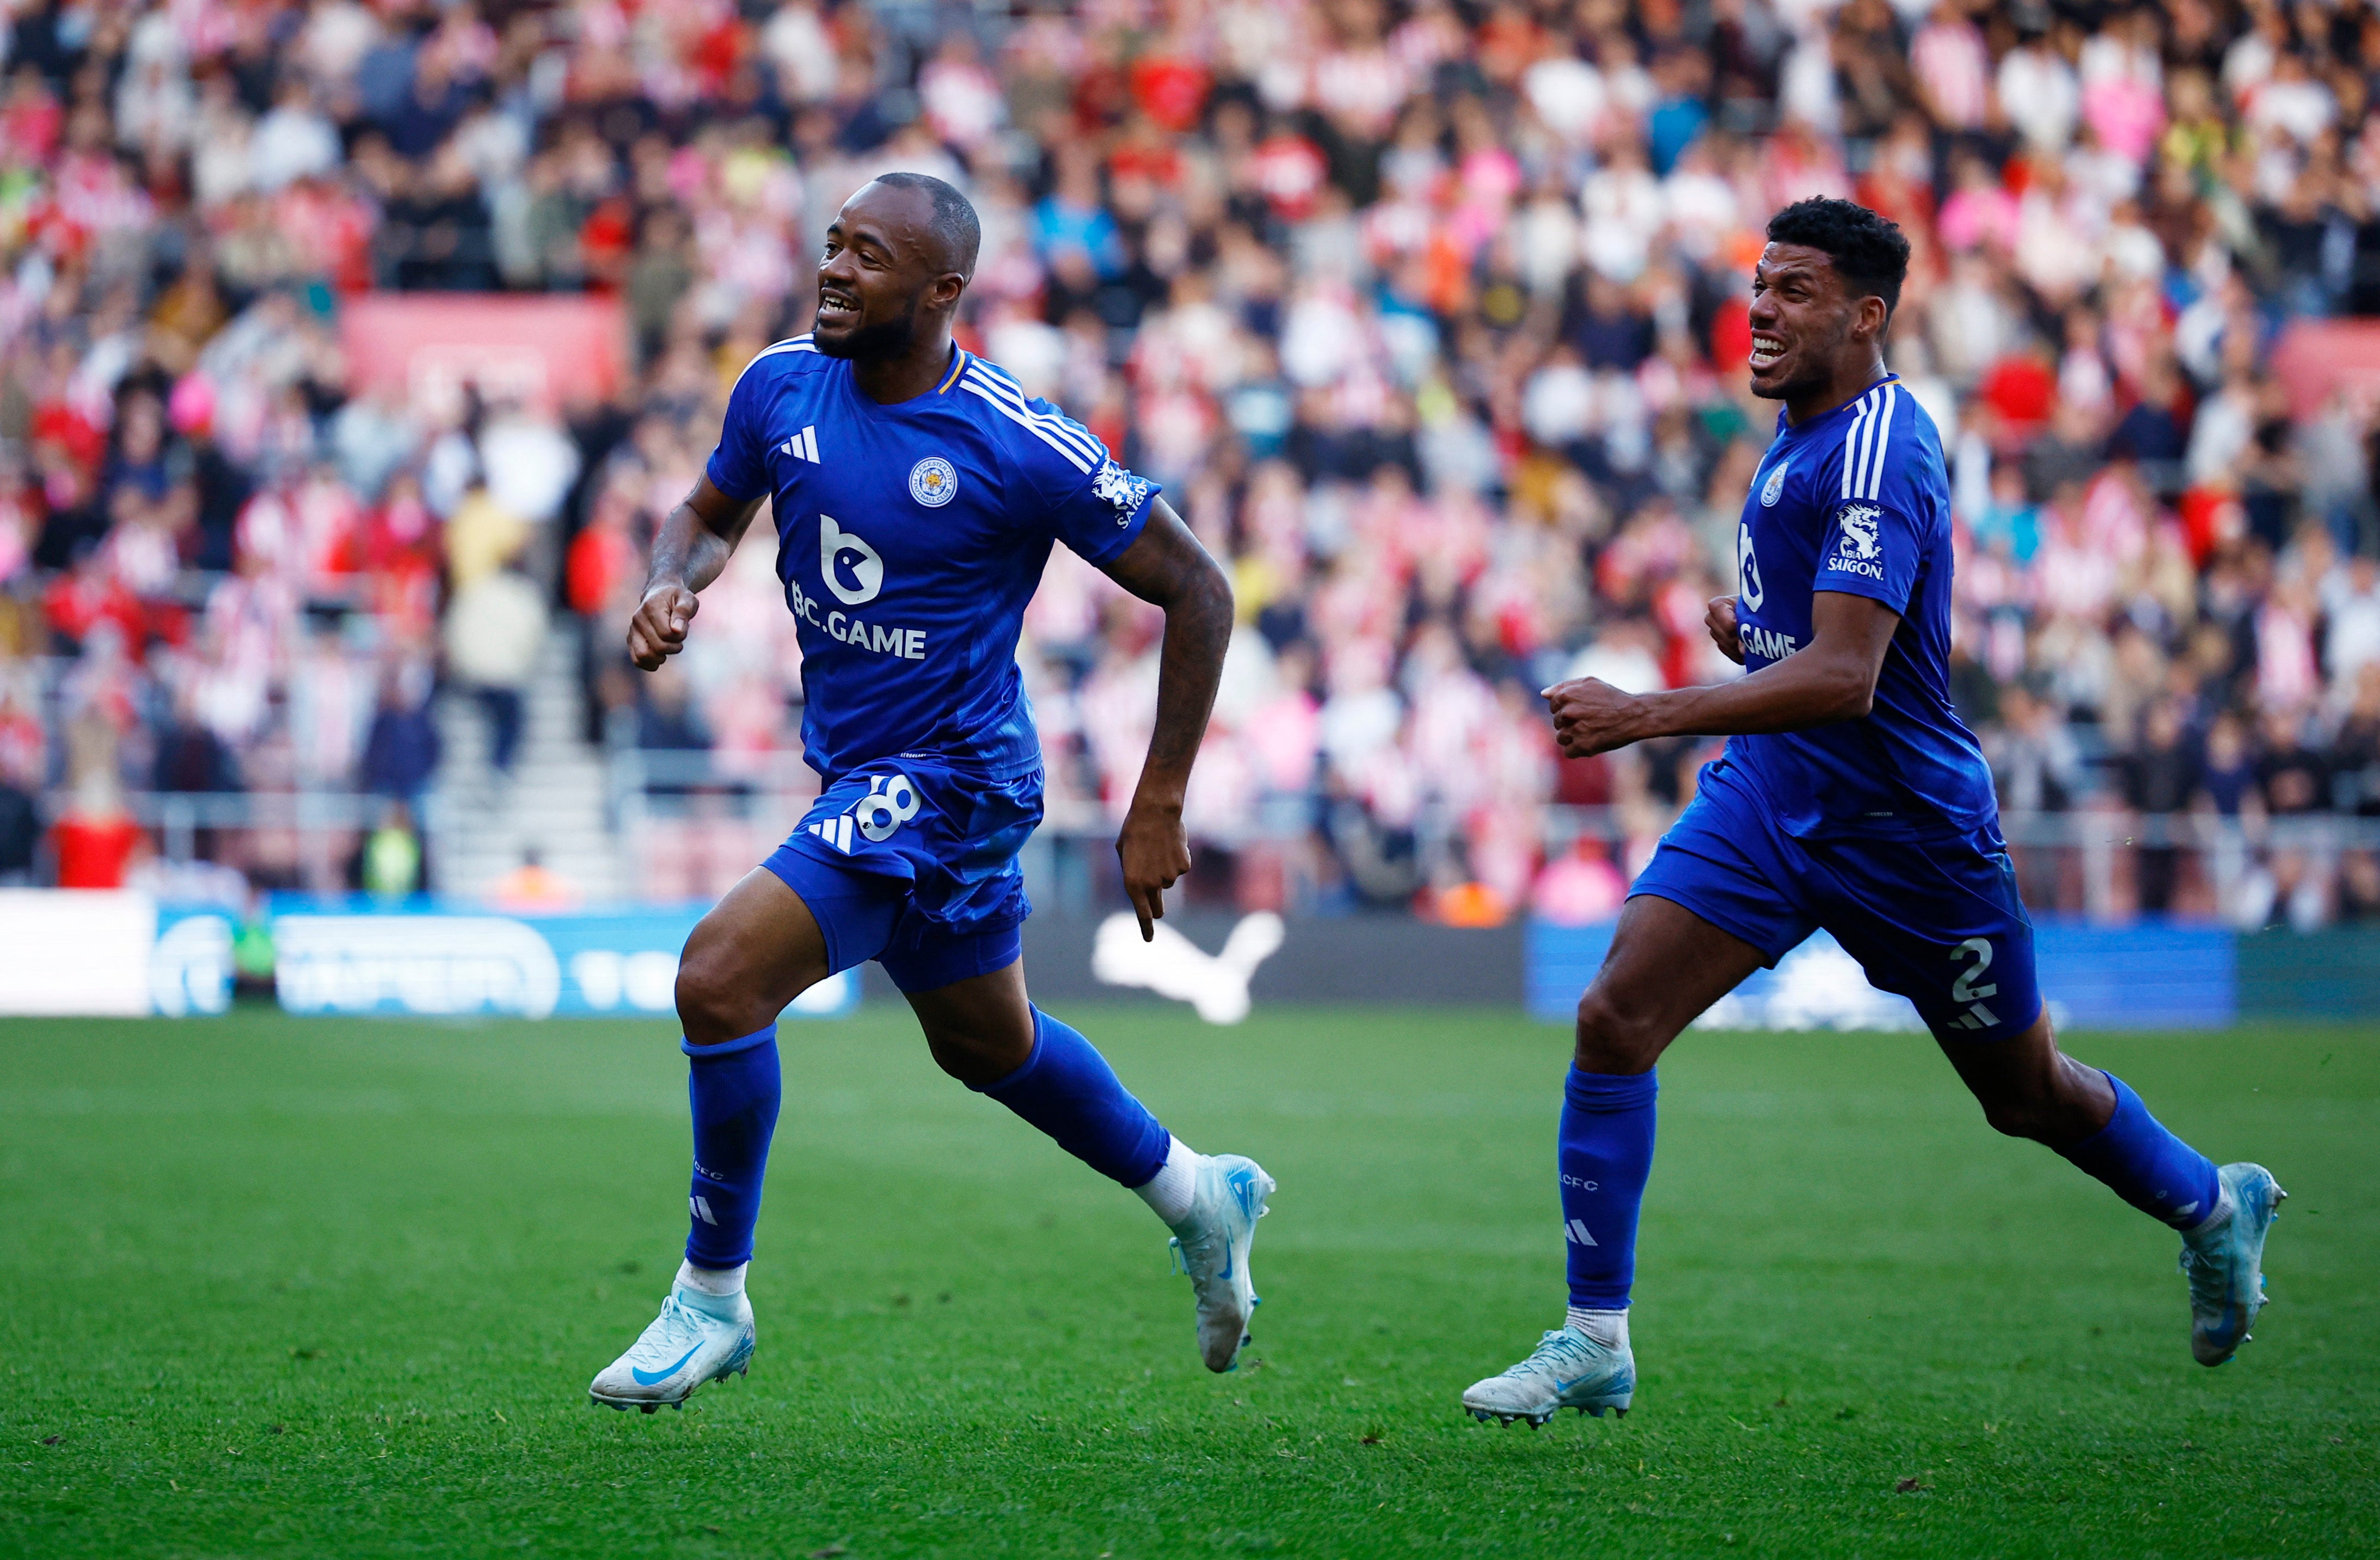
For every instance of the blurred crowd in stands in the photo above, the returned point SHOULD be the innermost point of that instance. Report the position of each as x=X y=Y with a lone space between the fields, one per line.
x=1429 y=316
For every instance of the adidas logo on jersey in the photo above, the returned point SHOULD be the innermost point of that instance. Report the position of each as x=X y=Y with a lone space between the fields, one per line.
x=802 y=446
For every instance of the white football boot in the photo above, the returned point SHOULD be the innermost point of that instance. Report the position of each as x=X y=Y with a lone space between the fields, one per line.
x=1211 y=1245
x=2224 y=1259
x=683 y=1351
x=1567 y=1369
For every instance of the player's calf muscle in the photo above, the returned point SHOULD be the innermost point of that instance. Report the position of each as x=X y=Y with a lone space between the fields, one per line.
x=2030 y=1089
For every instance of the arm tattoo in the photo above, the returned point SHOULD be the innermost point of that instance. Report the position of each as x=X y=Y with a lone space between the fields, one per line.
x=692 y=546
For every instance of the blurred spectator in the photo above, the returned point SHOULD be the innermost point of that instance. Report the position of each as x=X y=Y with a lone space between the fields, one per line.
x=401 y=748
x=494 y=633
x=96 y=841
x=2160 y=778
x=2355 y=751
x=666 y=718
x=390 y=863
x=2227 y=779
x=191 y=757
x=532 y=887
x=1581 y=887
x=20 y=833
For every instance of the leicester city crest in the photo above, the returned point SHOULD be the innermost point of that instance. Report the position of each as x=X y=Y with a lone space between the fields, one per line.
x=1774 y=485
x=933 y=482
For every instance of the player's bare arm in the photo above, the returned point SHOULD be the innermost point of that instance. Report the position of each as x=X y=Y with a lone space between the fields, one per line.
x=1167 y=567
x=1833 y=678
x=693 y=546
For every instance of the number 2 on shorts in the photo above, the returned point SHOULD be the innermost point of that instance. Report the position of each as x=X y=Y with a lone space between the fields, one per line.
x=1970 y=995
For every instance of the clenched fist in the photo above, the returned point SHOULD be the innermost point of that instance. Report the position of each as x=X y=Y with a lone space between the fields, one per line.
x=1720 y=620
x=1591 y=716
x=658 y=630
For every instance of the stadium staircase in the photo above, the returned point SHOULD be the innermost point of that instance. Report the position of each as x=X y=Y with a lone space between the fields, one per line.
x=553 y=804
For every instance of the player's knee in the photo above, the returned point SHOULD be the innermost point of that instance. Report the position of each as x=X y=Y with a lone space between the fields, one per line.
x=713 y=1003
x=977 y=1051
x=973 y=1059
x=1615 y=1037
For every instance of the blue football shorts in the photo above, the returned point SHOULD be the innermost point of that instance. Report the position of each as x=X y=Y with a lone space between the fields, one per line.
x=1938 y=922
x=911 y=863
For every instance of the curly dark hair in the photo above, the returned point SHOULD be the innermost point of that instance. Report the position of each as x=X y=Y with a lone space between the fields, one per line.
x=1868 y=249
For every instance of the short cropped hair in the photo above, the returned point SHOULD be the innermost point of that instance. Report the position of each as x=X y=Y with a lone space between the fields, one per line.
x=1868 y=249
x=954 y=223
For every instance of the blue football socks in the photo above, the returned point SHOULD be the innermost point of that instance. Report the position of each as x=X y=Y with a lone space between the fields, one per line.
x=1067 y=1090
x=735 y=1089
x=1606 y=1153
x=2147 y=1166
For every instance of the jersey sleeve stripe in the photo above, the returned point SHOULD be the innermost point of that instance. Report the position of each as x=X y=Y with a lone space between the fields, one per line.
x=798 y=344
x=1852 y=440
x=1883 y=441
x=1065 y=427
x=976 y=388
x=996 y=374
x=1876 y=413
x=1011 y=400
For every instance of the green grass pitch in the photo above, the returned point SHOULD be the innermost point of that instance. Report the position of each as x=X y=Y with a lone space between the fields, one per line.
x=279 y=1287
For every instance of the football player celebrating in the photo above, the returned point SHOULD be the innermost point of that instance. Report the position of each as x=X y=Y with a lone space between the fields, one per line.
x=1850 y=797
x=917 y=491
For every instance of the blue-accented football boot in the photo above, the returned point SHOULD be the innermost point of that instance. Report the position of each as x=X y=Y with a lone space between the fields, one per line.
x=683 y=1351
x=1211 y=1245
x=2224 y=1259
x=1569 y=1369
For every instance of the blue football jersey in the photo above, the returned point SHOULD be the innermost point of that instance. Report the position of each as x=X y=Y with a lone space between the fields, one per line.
x=1858 y=501
x=910 y=538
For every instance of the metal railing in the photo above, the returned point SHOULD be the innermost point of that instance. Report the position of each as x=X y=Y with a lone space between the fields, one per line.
x=2098 y=859
x=177 y=819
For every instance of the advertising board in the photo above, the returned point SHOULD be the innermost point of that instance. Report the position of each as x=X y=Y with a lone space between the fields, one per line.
x=442 y=962
x=75 y=951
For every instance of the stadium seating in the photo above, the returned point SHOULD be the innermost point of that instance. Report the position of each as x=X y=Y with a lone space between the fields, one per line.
x=1430 y=318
